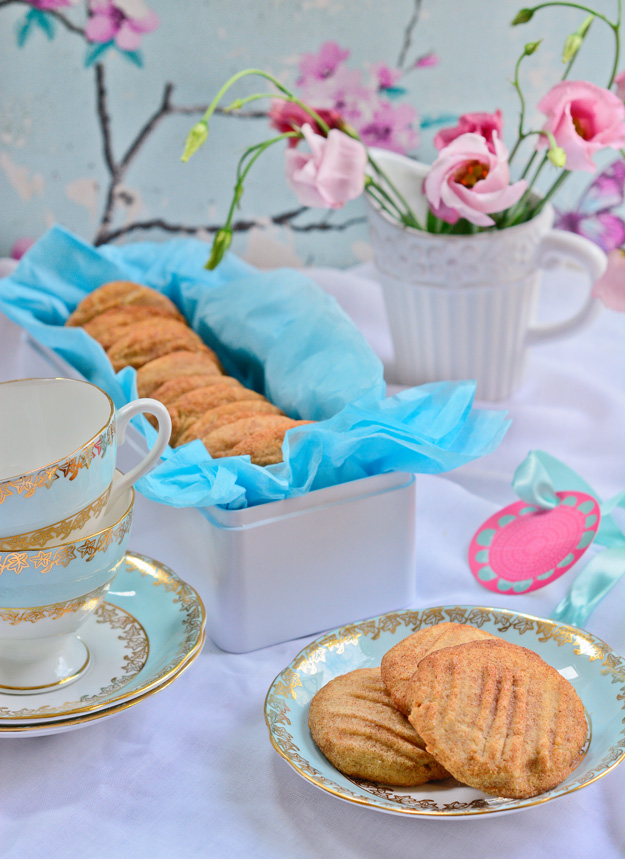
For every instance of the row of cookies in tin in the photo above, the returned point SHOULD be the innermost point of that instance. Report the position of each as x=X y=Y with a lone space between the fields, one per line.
x=142 y=328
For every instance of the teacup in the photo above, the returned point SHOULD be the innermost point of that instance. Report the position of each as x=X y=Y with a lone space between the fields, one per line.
x=47 y=593
x=58 y=452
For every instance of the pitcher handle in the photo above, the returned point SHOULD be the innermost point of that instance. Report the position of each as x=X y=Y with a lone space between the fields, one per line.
x=556 y=247
x=122 y=418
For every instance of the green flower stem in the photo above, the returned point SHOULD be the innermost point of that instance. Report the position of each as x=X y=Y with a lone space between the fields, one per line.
x=556 y=185
x=259 y=148
x=517 y=86
x=381 y=198
x=287 y=94
x=412 y=220
x=613 y=25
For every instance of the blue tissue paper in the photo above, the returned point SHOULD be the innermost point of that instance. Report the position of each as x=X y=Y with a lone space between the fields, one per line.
x=278 y=333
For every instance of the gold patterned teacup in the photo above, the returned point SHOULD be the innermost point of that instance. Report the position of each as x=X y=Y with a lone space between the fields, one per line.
x=47 y=593
x=58 y=451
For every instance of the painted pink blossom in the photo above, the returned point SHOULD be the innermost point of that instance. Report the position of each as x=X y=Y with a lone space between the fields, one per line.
x=583 y=118
x=323 y=64
x=121 y=21
x=619 y=80
x=51 y=5
x=385 y=76
x=610 y=288
x=484 y=124
x=287 y=116
x=332 y=173
x=391 y=127
x=427 y=61
x=21 y=246
x=469 y=181
x=343 y=92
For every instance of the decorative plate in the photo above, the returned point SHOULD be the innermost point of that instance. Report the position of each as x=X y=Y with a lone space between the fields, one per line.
x=523 y=547
x=151 y=625
x=595 y=671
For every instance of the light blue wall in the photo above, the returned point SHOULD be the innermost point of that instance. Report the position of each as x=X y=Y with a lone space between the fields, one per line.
x=52 y=165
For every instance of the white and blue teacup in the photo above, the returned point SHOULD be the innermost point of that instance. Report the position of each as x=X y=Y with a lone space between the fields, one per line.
x=58 y=452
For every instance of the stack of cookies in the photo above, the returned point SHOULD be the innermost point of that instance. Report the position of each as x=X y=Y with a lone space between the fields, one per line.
x=453 y=700
x=140 y=327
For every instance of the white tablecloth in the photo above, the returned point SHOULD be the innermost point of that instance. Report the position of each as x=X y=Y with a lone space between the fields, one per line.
x=189 y=772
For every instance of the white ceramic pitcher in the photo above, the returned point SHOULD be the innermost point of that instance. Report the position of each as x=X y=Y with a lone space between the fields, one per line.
x=464 y=306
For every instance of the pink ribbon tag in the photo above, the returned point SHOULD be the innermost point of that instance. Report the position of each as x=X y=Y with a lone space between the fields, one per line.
x=524 y=547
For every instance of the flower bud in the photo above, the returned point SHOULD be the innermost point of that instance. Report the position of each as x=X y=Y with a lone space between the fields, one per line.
x=531 y=48
x=195 y=138
x=223 y=239
x=557 y=156
x=523 y=16
x=571 y=46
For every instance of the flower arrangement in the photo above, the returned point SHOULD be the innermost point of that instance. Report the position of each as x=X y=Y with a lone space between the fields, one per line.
x=469 y=187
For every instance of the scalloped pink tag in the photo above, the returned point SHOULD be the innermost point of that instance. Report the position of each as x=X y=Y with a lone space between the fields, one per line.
x=523 y=547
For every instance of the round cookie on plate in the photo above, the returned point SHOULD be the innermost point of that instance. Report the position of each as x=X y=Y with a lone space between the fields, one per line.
x=498 y=717
x=401 y=661
x=355 y=725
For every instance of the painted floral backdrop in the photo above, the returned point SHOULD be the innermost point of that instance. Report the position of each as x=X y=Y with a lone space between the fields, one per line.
x=98 y=96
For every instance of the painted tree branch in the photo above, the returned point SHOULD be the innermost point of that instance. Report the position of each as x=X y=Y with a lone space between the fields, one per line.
x=408 y=31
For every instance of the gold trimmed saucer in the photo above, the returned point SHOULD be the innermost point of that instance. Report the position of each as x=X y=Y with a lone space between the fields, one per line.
x=148 y=630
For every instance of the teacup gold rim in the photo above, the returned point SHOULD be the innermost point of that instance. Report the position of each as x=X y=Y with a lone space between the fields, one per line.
x=78 y=450
x=81 y=539
x=30 y=535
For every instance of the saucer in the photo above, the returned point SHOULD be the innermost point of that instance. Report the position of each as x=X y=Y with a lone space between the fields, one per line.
x=59 y=726
x=595 y=671
x=149 y=629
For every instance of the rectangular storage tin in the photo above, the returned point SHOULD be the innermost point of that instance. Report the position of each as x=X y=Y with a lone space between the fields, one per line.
x=296 y=567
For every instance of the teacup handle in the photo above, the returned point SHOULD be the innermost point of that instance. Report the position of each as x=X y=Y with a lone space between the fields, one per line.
x=559 y=245
x=122 y=417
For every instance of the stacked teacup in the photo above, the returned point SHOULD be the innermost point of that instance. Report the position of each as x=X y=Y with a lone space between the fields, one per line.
x=65 y=518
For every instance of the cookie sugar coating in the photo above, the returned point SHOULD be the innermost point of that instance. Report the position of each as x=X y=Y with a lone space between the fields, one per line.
x=354 y=723
x=498 y=717
x=400 y=662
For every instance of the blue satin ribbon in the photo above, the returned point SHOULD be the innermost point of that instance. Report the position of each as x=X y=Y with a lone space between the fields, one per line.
x=536 y=481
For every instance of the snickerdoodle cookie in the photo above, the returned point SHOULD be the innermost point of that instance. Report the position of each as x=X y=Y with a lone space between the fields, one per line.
x=354 y=723
x=120 y=293
x=151 y=339
x=108 y=326
x=226 y=414
x=182 y=362
x=260 y=437
x=400 y=662
x=192 y=405
x=498 y=717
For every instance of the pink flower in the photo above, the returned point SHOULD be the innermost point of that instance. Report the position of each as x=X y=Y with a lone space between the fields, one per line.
x=288 y=116
x=583 y=118
x=610 y=288
x=123 y=21
x=385 y=76
x=343 y=92
x=390 y=128
x=323 y=64
x=467 y=180
x=619 y=80
x=331 y=174
x=485 y=124
x=427 y=61
x=51 y=5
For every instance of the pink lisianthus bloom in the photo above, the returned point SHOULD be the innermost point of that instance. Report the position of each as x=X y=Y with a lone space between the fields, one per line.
x=391 y=128
x=619 y=80
x=583 y=118
x=121 y=21
x=610 y=288
x=323 y=64
x=469 y=181
x=288 y=116
x=484 y=124
x=331 y=174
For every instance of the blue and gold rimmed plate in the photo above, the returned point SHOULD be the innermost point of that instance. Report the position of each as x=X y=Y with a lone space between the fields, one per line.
x=148 y=630
x=596 y=672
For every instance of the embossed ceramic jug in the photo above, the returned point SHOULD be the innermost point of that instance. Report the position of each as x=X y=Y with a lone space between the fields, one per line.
x=464 y=307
